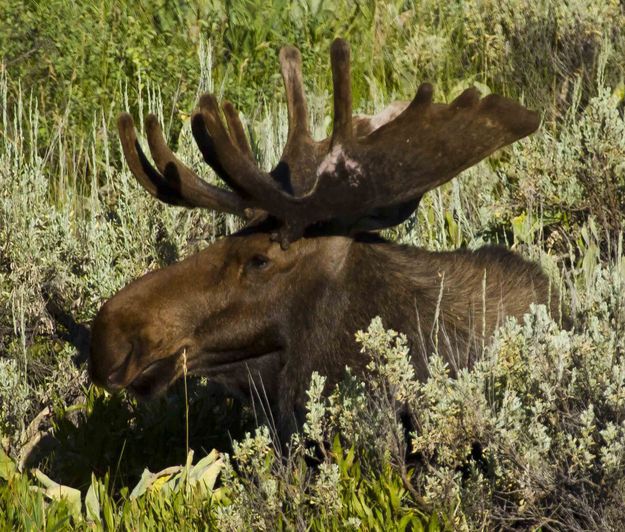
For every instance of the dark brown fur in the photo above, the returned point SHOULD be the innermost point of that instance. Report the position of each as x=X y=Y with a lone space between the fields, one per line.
x=279 y=320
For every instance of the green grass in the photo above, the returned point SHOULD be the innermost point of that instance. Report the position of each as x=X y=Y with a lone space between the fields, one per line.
x=75 y=227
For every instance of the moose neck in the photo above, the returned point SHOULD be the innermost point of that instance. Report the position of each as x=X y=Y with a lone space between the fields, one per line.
x=445 y=302
x=373 y=282
x=400 y=284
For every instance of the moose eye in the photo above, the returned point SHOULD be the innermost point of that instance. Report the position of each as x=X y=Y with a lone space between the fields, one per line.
x=258 y=262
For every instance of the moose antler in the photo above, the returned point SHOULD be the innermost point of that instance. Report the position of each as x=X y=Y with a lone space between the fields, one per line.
x=362 y=177
x=173 y=183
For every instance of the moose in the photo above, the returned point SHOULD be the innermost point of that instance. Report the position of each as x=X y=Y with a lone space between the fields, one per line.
x=284 y=296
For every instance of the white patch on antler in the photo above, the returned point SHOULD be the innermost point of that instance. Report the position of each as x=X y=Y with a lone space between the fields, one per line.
x=354 y=172
x=331 y=161
x=336 y=163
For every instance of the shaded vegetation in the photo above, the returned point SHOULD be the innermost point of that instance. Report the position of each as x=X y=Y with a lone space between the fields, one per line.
x=546 y=406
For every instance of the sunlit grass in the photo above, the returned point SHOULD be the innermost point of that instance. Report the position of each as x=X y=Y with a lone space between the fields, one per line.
x=75 y=226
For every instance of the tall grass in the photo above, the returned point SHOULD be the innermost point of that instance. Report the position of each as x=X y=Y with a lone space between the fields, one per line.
x=75 y=227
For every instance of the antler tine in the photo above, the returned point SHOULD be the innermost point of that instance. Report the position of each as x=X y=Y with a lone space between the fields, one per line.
x=468 y=98
x=240 y=170
x=179 y=186
x=207 y=147
x=374 y=180
x=422 y=99
x=525 y=121
x=340 y=58
x=189 y=185
x=236 y=129
x=138 y=163
x=291 y=67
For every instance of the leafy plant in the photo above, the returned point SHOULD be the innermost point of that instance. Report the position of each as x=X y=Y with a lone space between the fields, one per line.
x=530 y=437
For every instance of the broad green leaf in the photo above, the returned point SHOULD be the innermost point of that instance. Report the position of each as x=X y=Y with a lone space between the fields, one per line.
x=144 y=483
x=206 y=471
x=166 y=481
x=92 y=503
x=107 y=514
x=433 y=525
x=415 y=523
x=395 y=496
x=7 y=466
x=453 y=229
x=349 y=458
x=58 y=492
x=336 y=446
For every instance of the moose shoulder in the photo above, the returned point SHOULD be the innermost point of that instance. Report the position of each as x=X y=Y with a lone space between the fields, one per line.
x=284 y=296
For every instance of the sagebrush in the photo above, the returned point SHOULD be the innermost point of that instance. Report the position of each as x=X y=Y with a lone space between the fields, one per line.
x=532 y=437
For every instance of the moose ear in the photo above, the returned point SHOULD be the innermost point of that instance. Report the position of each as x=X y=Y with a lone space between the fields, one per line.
x=334 y=253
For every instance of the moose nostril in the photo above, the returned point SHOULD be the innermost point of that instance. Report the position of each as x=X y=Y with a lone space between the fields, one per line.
x=117 y=376
x=116 y=379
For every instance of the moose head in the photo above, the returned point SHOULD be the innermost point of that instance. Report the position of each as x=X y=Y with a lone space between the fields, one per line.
x=284 y=296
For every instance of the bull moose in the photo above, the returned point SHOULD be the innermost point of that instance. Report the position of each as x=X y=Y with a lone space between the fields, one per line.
x=284 y=296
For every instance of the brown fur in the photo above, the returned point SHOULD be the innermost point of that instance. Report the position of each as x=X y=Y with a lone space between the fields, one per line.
x=237 y=317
